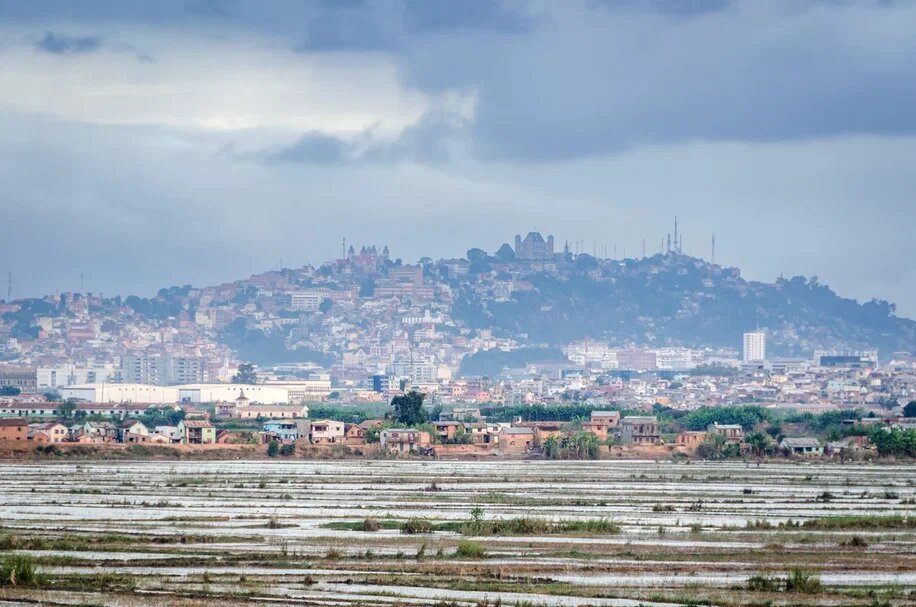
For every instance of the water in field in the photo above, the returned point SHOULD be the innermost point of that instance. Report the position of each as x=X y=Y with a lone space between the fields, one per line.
x=246 y=533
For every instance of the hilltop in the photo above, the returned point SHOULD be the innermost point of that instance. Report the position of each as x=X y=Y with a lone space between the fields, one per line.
x=682 y=300
x=365 y=309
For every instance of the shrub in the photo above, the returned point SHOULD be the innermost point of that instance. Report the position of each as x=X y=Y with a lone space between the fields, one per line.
x=370 y=524
x=470 y=550
x=763 y=583
x=273 y=448
x=856 y=541
x=287 y=450
x=416 y=525
x=803 y=582
x=18 y=571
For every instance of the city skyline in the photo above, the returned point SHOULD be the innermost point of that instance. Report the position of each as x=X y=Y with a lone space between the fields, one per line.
x=203 y=141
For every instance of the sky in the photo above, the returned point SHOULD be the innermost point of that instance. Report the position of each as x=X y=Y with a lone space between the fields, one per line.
x=149 y=144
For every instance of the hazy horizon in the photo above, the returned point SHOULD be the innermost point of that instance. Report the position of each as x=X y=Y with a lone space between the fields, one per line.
x=196 y=142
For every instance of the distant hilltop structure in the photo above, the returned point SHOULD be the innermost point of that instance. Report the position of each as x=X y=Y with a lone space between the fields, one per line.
x=534 y=247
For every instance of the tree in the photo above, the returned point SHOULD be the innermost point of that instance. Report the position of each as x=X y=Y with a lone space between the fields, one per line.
x=759 y=443
x=66 y=409
x=10 y=391
x=476 y=254
x=273 y=448
x=245 y=375
x=408 y=410
x=552 y=447
x=910 y=409
x=325 y=306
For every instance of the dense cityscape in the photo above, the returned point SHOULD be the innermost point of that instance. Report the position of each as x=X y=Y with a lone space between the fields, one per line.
x=355 y=334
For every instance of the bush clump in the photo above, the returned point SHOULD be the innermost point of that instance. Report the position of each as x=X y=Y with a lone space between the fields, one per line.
x=763 y=583
x=416 y=525
x=470 y=550
x=803 y=582
x=370 y=524
x=16 y=570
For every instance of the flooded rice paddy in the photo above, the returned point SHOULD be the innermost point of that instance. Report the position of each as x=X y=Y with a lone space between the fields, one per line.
x=595 y=533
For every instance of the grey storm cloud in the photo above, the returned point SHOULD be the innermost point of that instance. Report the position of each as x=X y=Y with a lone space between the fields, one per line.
x=313 y=147
x=591 y=119
x=425 y=142
x=62 y=44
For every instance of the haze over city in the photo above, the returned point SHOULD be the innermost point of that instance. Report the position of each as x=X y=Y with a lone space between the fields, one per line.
x=193 y=142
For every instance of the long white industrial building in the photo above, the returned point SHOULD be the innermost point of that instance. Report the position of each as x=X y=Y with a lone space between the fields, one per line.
x=269 y=394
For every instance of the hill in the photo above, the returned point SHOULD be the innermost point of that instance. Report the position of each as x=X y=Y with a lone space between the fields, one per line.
x=681 y=300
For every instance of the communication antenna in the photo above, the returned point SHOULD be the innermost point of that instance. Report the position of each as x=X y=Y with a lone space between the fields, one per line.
x=644 y=248
x=343 y=248
x=676 y=247
x=9 y=286
x=82 y=282
x=713 y=247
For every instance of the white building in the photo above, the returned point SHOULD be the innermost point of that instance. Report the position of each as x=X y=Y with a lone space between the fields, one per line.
x=755 y=346
x=122 y=393
x=305 y=301
x=69 y=374
x=676 y=359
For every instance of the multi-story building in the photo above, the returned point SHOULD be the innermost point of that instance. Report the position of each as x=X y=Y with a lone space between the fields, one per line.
x=755 y=346
x=640 y=430
x=69 y=374
x=162 y=370
x=14 y=376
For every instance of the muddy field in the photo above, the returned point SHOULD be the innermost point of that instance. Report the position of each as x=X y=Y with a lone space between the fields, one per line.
x=460 y=533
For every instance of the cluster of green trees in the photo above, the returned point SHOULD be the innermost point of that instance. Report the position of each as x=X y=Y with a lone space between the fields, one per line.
x=540 y=413
x=581 y=445
x=717 y=447
x=895 y=442
x=274 y=448
x=746 y=417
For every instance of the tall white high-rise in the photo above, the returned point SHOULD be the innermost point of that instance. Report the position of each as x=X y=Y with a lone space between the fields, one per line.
x=755 y=346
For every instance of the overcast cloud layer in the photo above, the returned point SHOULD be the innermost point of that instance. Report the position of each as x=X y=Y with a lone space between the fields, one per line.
x=159 y=143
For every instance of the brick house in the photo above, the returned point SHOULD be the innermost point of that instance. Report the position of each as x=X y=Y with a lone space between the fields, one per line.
x=640 y=430
x=14 y=428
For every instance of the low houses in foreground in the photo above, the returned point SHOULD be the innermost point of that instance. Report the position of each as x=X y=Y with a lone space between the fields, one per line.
x=640 y=430
x=404 y=440
x=733 y=433
x=243 y=408
x=517 y=439
x=808 y=447
x=602 y=423
x=196 y=432
x=134 y=431
x=690 y=439
x=50 y=432
x=14 y=428
x=287 y=431
x=326 y=432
